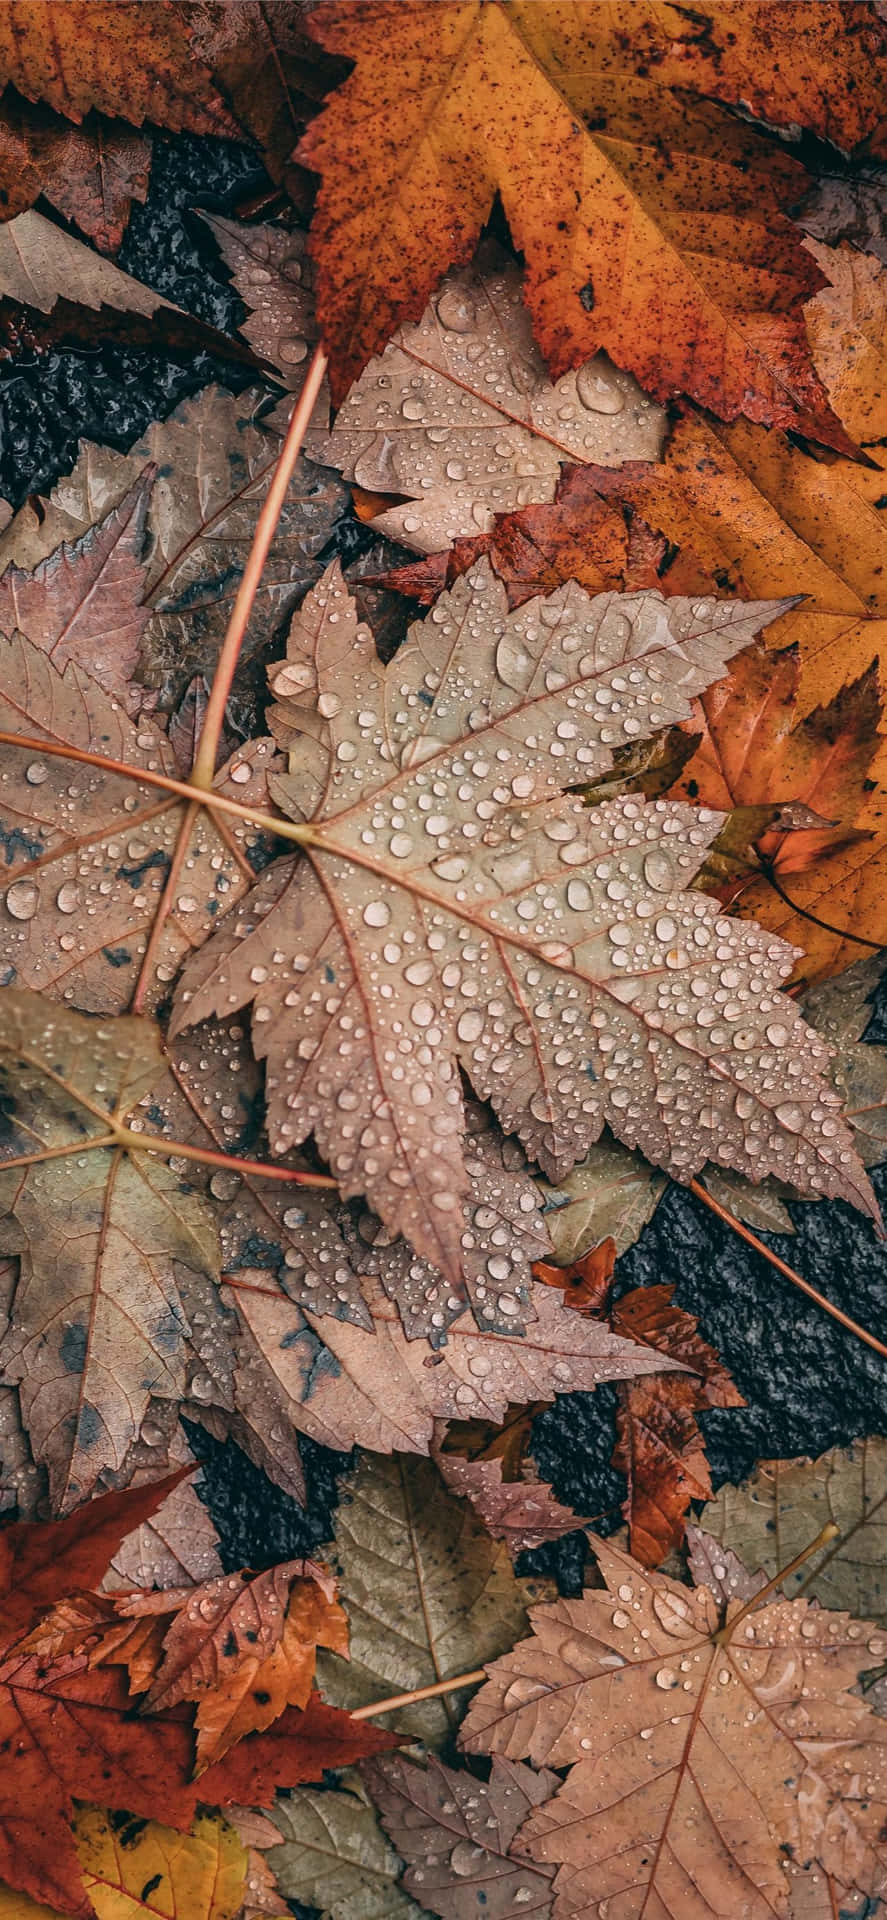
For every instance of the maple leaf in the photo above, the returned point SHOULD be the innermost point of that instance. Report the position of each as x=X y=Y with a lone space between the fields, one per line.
x=554 y=110
x=425 y=1589
x=772 y=1515
x=471 y=934
x=126 y=57
x=758 y=516
x=215 y=457
x=524 y=1513
x=71 y=1724
x=242 y=1648
x=346 y=1386
x=754 y=752
x=132 y=1867
x=456 y=1834
x=99 y=1324
x=660 y=1448
x=87 y=858
x=90 y=174
x=460 y=415
x=698 y=1753
x=271 y=269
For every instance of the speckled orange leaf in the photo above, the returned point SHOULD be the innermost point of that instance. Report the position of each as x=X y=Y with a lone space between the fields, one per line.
x=242 y=1648
x=689 y=277
x=753 y=750
x=128 y=57
x=759 y=516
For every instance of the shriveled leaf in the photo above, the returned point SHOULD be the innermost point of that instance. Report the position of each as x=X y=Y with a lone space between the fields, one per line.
x=85 y=602
x=426 y=1592
x=460 y=415
x=660 y=1447
x=272 y=75
x=127 y=57
x=332 y=1850
x=242 y=1649
x=100 y=1325
x=90 y=174
x=215 y=457
x=458 y=1835
x=847 y=207
x=473 y=930
x=578 y=535
x=698 y=1757
x=559 y=110
x=524 y=1513
x=773 y=1515
x=88 y=852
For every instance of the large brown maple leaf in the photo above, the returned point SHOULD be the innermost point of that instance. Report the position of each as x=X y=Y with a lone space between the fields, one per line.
x=702 y=1755
x=456 y=908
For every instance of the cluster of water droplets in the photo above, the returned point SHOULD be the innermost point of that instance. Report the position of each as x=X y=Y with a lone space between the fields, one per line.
x=460 y=413
x=272 y=272
x=88 y=856
x=448 y=1825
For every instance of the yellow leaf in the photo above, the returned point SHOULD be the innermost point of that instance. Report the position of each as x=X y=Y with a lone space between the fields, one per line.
x=133 y=1867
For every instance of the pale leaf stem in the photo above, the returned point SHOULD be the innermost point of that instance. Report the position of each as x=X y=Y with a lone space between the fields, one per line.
x=419 y=1693
x=203 y=770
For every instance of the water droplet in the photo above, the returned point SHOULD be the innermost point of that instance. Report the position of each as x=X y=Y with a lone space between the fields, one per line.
x=455 y=310
x=328 y=705
x=666 y=1678
x=68 y=898
x=22 y=900
x=377 y=914
x=36 y=773
x=596 y=392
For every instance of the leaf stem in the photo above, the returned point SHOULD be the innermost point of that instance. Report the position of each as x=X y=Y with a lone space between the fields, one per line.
x=203 y=770
x=419 y=1693
x=210 y=1157
x=285 y=829
x=827 y=1533
x=170 y=1149
x=788 y=1273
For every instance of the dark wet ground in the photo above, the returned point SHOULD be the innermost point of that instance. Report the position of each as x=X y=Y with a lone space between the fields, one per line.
x=808 y=1384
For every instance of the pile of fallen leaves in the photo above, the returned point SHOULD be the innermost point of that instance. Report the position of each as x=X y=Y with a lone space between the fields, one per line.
x=379 y=943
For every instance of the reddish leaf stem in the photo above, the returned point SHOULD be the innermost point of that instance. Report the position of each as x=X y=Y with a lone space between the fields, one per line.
x=203 y=770
x=788 y=1273
x=210 y=1157
x=419 y=1693
x=169 y=1149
